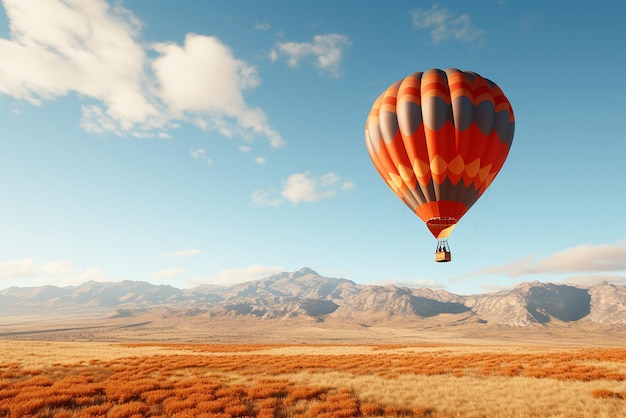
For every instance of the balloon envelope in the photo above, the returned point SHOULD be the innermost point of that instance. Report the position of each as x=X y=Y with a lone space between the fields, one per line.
x=438 y=139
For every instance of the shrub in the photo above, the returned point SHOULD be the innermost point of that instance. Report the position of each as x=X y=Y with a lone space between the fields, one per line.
x=370 y=409
x=127 y=410
x=606 y=394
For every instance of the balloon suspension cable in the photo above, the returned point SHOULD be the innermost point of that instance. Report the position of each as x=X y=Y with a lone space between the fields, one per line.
x=442 y=253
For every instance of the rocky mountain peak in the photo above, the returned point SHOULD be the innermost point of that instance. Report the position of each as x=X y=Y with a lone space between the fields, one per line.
x=305 y=293
x=304 y=271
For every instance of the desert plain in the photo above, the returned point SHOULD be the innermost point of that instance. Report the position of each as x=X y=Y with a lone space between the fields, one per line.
x=149 y=365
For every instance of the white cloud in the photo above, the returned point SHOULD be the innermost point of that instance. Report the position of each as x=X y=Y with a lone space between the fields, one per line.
x=579 y=259
x=197 y=153
x=58 y=268
x=444 y=27
x=585 y=258
x=28 y=272
x=260 y=160
x=593 y=279
x=200 y=154
x=326 y=50
x=88 y=47
x=203 y=80
x=202 y=75
x=263 y=26
x=302 y=187
x=514 y=269
x=16 y=269
x=266 y=198
x=273 y=55
x=245 y=274
x=183 y=253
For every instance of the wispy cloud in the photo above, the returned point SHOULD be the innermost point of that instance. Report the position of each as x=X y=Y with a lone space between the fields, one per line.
x=29 y=272
x=200 y=154
x=57 y=48
x=203 y=82
x=245 y=274
x=17 y=269
x=182 y=253
x=580 y=259
x=326 y=51
x=267 y=198
x=263 y=26
x=444 y=26
x=246 y=149
x=592 y=279
x=305 y=188
x=302 y=187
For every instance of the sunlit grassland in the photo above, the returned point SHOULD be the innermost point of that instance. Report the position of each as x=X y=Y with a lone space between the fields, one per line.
x=54 y=379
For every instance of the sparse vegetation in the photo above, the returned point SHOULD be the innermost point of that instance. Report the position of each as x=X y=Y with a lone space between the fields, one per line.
x=187 y=380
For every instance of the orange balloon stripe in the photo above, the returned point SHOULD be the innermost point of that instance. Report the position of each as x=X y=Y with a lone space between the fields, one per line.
x=373 y=115
x=435 y=92
x=416 y=148
x=385 y=162
x=461 y=90
x=378 y=152
x=460 y=86
x=377 y=163
x=392 y=156
x=408 y=97
x=410 y=86
x=410 y=91
x=414 y=81
x=433 y=84
x=458 y=78
x=388 y=105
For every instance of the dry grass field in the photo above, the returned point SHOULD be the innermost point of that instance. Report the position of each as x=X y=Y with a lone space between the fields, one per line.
x=90 y=379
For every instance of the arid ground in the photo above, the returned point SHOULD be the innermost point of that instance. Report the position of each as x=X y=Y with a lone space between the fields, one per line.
x=184 y=367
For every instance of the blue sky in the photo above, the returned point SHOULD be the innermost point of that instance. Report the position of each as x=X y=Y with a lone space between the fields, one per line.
x=216 y=141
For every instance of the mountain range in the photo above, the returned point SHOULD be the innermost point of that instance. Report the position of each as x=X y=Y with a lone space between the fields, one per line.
x=306 y=294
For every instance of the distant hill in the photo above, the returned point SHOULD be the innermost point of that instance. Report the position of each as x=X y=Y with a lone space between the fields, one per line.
x=304 y=293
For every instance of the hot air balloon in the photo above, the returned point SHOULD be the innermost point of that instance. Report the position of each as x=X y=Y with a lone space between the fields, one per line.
x=439 y=138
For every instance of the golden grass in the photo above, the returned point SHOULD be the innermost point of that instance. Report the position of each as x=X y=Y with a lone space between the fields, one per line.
x=51 y=379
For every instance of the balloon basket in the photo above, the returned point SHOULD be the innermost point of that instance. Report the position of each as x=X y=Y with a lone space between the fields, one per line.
x=443 y=254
